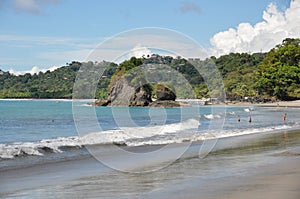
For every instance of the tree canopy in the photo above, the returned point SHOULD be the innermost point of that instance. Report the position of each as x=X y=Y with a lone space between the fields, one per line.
x=275 y=74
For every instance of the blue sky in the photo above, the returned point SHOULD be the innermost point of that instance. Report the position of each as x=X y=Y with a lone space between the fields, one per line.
x=47 y=33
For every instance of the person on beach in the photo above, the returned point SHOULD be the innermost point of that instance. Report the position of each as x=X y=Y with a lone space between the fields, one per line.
x=284 y=117
x=250 y=119
x=239 y=118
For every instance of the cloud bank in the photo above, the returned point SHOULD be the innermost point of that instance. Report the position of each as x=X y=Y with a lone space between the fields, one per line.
x=275 y=27
x=34 y=70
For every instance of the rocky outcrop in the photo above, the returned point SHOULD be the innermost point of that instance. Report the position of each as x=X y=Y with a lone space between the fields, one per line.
x=164 y=93
x=121 y=93
x=165 y=104
x=141 y=97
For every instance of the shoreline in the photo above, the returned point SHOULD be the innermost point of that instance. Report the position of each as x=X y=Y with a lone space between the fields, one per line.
x=277 y=180
x=263 y=156
x=288 y=104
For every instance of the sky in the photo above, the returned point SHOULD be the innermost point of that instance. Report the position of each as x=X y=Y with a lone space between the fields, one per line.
x=37 y=35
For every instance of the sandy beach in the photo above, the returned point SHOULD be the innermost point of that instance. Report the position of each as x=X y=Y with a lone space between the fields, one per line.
x=264 y=166
x=276 y=181
x=295 y=104
x=291 y=104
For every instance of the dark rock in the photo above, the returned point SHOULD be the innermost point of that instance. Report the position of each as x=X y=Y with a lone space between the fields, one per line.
x=101 y=102
x=164 y=93
x=121 y=93
x=164 y=104
x=141 y=97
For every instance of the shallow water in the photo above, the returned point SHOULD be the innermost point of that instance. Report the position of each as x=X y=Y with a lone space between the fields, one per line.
x=43 y=155
x=90 y=179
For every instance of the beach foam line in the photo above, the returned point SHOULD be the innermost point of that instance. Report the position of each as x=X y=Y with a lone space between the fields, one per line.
x=186 y=131
x=205 y=135
x=120 y=136
x=213 y=116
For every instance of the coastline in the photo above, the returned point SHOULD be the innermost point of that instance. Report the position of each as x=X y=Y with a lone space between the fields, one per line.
x=248 y=166
x=290 y=104
x=182 y=102
x=277 y=180
x=265 y=173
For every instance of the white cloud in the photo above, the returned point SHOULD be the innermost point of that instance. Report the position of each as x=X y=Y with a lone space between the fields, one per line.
x=144 y=41
x=32 y=6
x=262 y=36
x=139 y=51
x=32 y=71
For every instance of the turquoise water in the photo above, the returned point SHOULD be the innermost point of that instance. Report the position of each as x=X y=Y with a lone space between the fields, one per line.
x=37 y=127
x=33 y=120
x=42 y=155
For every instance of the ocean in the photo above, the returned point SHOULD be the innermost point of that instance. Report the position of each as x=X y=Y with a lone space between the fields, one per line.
x=67 y=149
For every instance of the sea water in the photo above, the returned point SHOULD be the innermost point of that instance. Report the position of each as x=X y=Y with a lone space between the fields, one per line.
x=39 y=127
x=41 y=142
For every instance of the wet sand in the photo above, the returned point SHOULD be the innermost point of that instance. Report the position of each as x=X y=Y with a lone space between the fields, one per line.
x=250 y=166
x=276 y=174
x=281 y=180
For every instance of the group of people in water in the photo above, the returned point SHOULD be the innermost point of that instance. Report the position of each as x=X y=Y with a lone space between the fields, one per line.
x=250 y=118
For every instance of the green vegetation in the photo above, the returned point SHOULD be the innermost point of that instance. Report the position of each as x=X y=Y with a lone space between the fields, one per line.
x=279 y=72
x=272 y=75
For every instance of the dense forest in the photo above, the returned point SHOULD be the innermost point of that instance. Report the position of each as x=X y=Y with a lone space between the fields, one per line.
x=264 y=76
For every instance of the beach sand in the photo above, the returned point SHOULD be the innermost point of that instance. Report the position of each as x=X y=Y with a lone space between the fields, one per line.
x=295 y=104
x=292 y=104
x=277 y=176
x=265 y=166
x=279 y=181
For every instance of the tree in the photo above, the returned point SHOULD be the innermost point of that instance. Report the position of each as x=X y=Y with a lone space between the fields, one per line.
x=279 y=72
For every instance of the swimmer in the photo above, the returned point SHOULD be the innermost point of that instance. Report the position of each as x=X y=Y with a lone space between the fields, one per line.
x=284 y=117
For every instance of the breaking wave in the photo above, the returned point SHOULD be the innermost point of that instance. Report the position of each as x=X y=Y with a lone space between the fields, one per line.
x=120 y=137
x=186 y=131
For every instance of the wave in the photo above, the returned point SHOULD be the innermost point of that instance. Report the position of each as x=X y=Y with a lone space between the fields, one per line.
x=213 y=116
x=120 y=137
x=186 y=131
x=249 y=109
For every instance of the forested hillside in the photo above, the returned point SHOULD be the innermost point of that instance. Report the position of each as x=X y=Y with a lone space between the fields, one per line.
x=275 y=74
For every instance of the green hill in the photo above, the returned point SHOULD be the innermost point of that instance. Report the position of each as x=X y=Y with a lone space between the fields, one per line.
x=275 y=74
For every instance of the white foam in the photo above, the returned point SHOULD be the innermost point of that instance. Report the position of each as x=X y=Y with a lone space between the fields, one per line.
x=121 y=136
x=238 y=132
x=125 y=134
x=212 y=116
x=134 y=136
x=246 y=109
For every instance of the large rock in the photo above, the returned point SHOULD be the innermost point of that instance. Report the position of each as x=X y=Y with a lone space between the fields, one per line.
x=121 y=93
x=165 y=104
x=141 y=97
x=164 y=93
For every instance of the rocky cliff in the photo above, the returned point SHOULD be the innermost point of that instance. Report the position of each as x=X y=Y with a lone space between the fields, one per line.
x=122 y=93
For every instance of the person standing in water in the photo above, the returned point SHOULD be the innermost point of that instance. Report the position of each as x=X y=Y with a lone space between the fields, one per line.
x=239 y=118
x=284 y=117
x=250 y=119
